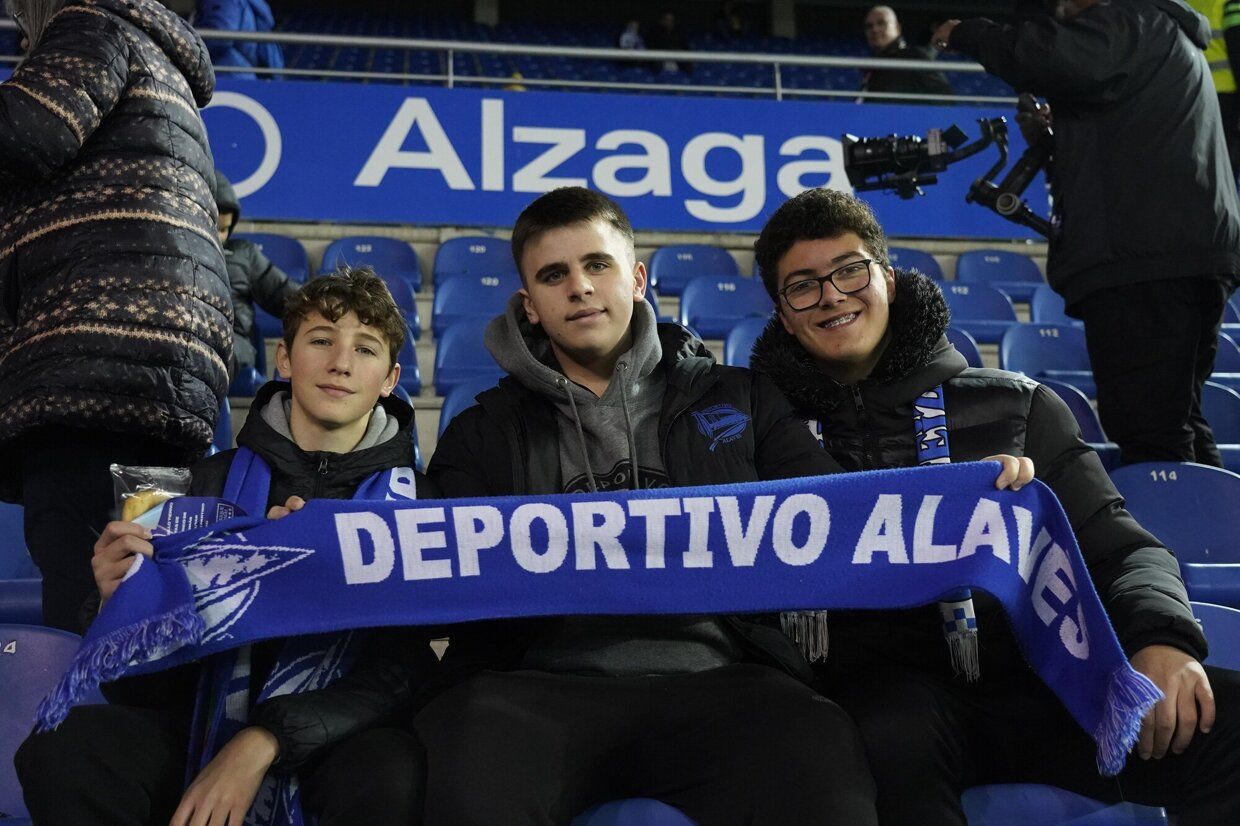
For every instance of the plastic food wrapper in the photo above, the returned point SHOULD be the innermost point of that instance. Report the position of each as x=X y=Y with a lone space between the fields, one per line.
x=141 y=491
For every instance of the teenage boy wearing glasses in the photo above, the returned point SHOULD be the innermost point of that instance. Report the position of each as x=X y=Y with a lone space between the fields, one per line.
x=854 y=346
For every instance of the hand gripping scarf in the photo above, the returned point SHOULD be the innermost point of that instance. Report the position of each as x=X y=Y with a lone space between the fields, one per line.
x=881 y=540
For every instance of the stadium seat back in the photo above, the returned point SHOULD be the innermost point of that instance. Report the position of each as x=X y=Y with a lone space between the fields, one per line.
x=1228 y=358
x=714 y=304
x=1084 y=413
x=1231 y=315
x=15 y=561
x=1014 y=273
x=1033 y=349
x=973 y=302
x=462 y=396
x=1047 y=307
x=1032 y=804
x=390 y=257
x=633 y=812
x=402 y=294
x=966 y=345
x=461 y=355
x=410 y=373
x=1221 y=407
x=285 y=252
x=738 y=346
x=907 y=258
x=1192 y=508
x=32 y=660
x=1222 y=629
x=470 y=296
x=473 y=255
x=673 y=267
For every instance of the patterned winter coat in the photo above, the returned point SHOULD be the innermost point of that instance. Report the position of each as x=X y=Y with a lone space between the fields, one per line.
x=114 y=303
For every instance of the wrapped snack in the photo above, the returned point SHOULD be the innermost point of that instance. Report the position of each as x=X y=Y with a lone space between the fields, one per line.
x=141 y=490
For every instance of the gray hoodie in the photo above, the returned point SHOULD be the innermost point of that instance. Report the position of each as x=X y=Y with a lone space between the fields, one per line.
x=599 y=437
x=600 y=441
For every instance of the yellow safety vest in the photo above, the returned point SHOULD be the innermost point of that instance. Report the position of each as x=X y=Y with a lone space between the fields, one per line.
x=1222 y=14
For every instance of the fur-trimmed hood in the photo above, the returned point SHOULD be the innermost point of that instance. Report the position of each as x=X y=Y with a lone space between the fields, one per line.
x=918 y=356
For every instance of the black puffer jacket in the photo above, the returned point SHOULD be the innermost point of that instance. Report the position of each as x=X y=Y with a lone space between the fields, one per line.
x=870 y=425
x=252 y=279
x=1142 y=182
x=114 y=305
x=508 y=445
x=378 y=689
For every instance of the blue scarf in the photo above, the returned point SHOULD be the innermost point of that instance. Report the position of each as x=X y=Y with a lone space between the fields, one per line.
x=881 y=540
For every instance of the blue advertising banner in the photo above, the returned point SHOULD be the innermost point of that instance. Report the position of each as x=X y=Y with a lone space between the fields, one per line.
x=376 y=153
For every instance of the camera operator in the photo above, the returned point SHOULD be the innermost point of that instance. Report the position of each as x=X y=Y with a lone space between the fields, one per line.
x=1145 y=245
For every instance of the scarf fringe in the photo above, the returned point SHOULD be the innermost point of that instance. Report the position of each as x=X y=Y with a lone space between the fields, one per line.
x=808 y=629
x=965 y=657
x=1130 y=695
x=109 y=657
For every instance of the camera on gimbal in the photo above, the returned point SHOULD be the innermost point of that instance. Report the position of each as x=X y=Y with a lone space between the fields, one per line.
x=905 y=163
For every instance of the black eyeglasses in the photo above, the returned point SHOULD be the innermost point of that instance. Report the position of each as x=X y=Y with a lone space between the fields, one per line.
x=853 y=277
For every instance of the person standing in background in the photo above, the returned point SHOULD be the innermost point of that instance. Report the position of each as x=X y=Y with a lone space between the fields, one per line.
x=115 y=315
x=886 y=39
x=1145 y=238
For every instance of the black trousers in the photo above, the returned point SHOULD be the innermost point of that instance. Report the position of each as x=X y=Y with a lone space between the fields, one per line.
x=68 y=499
x=742 y=744
x=123 y=766
x=929 y=737
x=1152 y=347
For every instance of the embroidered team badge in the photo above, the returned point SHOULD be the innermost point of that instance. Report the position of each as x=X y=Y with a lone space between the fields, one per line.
x=721 y=424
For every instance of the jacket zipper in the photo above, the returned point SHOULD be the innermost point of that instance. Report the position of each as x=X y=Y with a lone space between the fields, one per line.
x=322 y=474
x=867 y=436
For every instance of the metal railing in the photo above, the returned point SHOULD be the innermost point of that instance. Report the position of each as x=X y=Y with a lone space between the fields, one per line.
x=776 y=62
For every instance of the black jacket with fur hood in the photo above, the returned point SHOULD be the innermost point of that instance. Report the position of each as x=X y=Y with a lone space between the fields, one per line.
x=870 y=425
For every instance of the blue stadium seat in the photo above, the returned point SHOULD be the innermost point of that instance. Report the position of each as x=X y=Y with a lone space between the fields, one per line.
x=462 y=396
x=471 y=296
x=652 y=297
x=1231 y=315
x=246 y=383
x=473 y=255
x=1049 y=351
x=966 y=345
x=285 y=252
x=1031 y=804
x=673 y=267
x=1047 y=307
x=981 y=311
x=1222 y=628
x=636 y=811
x=390 y=257
x=402 y=294
x=1221 y=406
x=738 y=346
x=907 y=258
x=461 y=356
x=403 y=394
x=1014 y=273
x=32 y=660
x=15 y=561
x=1227 y=362
x=1192 y=509
x=1087 y=419
x=713 y=304
x=21 y=600
x=410 y=375
x=223 y=439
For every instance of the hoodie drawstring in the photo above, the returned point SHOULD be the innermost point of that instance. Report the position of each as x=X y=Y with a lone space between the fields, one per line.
x=562 y=383
x=623 y=367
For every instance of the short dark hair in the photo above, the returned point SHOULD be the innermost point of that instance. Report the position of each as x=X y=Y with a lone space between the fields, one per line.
x=564 y=207
x=814 y=214
x=349 y=289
